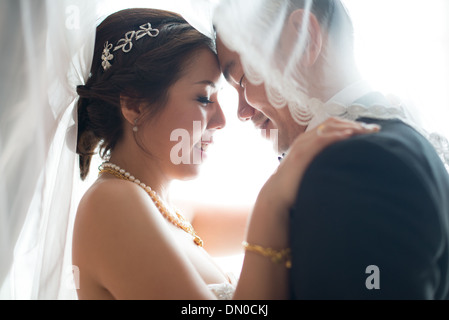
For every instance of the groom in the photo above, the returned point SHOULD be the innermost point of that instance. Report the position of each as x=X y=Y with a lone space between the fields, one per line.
x=371 y=218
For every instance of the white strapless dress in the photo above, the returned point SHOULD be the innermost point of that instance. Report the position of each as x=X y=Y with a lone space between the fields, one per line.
x=223 y=291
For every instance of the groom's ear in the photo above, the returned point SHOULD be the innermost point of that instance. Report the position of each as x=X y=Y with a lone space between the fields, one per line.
x=298 y=20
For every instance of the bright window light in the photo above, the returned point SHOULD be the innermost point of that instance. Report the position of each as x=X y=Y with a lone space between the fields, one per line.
x=402 y=47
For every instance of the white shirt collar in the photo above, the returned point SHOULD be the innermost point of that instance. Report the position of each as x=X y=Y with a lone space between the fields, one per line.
x=345 y=97
x=351 y=93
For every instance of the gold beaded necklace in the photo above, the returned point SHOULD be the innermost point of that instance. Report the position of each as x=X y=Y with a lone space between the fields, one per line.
x=177 y=220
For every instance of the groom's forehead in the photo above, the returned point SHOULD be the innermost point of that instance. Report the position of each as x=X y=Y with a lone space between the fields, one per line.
x=228 y=59
x=227 y=69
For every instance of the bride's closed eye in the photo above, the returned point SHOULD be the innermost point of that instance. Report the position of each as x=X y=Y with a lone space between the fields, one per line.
x=204 y=100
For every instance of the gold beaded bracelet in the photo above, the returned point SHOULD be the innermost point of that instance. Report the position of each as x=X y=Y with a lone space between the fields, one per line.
x=283 y=256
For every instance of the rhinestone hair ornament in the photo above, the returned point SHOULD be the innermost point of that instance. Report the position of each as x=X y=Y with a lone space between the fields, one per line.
x=126 y=44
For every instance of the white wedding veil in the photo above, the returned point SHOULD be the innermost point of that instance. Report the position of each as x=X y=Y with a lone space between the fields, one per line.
x=284 y=59
x=46 y=52
x=271 y=54
x=46 y=49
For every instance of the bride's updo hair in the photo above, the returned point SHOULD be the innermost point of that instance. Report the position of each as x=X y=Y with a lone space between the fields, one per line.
x=144 y=74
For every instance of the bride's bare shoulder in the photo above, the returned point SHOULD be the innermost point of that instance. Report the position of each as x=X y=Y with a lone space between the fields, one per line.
x=108 y=194
x=113 y=204
x=118 y=236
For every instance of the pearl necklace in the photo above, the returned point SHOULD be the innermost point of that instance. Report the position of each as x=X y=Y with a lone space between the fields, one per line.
x=176 y=219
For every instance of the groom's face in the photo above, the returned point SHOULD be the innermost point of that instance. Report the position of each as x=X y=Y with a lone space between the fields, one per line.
x=275 y=124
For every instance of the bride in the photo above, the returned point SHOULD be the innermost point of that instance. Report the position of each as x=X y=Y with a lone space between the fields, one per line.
x=150 y=106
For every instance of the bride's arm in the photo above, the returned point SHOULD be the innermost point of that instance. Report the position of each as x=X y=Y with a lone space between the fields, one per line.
x=261 y=277
x=125 y=249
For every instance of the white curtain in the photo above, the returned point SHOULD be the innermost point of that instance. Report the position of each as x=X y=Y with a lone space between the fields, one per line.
x=44 y=48
x=46 y=51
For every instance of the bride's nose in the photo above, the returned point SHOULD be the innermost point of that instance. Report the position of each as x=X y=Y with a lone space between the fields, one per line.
x=218 y=119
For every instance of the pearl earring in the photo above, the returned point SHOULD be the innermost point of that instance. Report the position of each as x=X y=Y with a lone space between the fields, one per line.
x=136 y=128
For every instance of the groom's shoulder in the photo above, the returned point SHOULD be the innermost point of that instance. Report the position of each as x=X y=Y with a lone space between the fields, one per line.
x=397 y=147
x=395 y=139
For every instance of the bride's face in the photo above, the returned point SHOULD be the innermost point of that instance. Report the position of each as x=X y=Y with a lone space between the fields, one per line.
x=275 y=124
x=181 y=135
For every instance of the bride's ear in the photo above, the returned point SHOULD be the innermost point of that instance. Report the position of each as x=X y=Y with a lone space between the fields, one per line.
x=298 y=20
x=131 y=111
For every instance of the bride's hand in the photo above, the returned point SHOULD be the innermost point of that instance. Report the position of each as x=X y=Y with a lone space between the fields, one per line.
x=283 y=185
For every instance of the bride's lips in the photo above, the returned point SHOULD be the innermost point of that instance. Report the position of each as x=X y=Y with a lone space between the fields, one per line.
x=204 y=145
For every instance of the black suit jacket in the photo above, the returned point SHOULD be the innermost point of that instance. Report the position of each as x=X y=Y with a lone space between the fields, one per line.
x=371 y=219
